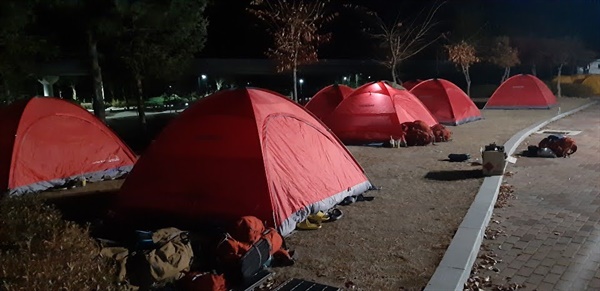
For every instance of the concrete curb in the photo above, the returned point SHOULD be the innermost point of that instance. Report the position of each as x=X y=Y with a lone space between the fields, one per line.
x=455 y=267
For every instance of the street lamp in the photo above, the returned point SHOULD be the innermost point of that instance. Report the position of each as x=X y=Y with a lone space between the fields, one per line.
x=301 y=81
x=202 y=84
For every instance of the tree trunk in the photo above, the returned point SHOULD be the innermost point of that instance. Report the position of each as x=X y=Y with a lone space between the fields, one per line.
x=74 y=91
x=7 y=91
x=506 y=74
x=534 y=70
x=295 y=97
x=140 y=103
x=468 y=79
x=558 y=88
x=125 y=98
x=98 y=101
x=394 y=76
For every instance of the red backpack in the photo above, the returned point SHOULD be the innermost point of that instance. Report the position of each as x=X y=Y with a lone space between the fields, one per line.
x=248 y=229
x=197 y=281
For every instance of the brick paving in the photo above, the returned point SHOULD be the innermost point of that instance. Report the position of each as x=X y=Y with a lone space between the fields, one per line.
x=552 y=228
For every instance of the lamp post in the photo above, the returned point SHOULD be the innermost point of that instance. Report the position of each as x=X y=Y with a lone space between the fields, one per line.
x=202 y=83
x=301 y=81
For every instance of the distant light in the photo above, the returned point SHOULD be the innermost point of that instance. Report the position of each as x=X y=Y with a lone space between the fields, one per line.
x=248 y=83
x=345 y=78
x=203 y=77
x=369 y=77
x=170 y=86
x=301 y=81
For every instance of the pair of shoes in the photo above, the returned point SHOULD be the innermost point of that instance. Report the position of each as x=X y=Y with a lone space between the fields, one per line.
x=307 y=225
x=318 y=217
x=334 y=214
x=348 y=200
x=361 y=197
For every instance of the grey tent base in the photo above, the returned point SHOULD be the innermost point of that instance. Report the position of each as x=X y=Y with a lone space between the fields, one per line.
x=463 y=121
x=289 y=224
x=519 y=107
x=91 y=177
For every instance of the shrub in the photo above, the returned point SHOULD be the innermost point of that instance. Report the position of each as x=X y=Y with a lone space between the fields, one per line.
x=572 y=90
x=40 y=251
x=118 y=103
x=86 y=105
x=483 y=91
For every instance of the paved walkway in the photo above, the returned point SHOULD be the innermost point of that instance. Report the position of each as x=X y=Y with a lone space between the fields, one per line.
x=552 y=229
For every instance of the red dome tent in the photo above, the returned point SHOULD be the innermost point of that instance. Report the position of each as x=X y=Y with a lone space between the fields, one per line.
x=327 y=99
x=45 y=142
x=242 y=152
x=374 y=112
x=522 y=92
x=446 y=101
x=411 y=84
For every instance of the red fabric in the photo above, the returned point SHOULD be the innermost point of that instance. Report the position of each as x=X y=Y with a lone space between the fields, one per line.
x=408 y=85
x=374 y=112
x=417 y=133
x=237 y=153
x=522 y=91
x=230 y=252
x=196 y=281
x=275 y=239
x=248 y=229
x=441 y=133
x=54 y=139
x=563 y=147
x=327 y=99
x=446 y=101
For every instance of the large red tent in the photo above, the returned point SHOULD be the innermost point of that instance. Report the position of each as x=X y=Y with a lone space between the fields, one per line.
x=242 y=152
x=45 y=142
x=447 y=102
x=522 y=92
x=327 y=99
x=374 y=113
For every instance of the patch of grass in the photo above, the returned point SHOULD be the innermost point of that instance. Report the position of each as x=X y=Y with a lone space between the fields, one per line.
x=572 y=90
x=41 y=251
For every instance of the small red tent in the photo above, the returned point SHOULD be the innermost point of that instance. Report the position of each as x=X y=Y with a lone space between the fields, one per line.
x=242 y=152
x=374 y=112
x=411 y=84
x=447 y=102
x=45 y=142
x=522 y=92
x=327 y=99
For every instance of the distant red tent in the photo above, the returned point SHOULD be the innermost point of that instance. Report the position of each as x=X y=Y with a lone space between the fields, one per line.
x=374 y=112
x=327 y=99
x=447 y=102
x=411 y=84
x=242 y=152
x=45 y=142
x=522 y=92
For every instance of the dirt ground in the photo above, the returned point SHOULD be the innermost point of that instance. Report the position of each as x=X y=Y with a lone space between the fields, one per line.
x=397 y=240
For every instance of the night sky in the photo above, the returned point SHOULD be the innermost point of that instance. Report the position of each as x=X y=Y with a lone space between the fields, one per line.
x=234 y=33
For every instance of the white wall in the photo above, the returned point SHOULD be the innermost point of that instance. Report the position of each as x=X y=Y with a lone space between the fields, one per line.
x=595 y=67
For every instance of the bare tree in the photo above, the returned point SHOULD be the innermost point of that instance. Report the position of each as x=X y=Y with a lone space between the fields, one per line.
x=295 y=27
x=530 y=51
x=503 y=55
x=565 y=51
x=463 y=55
x=404 y=38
